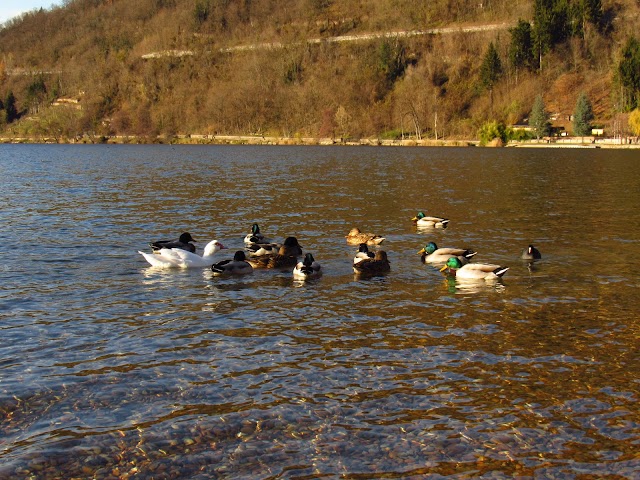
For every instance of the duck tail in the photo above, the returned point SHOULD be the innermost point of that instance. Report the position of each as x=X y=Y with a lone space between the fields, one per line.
x=378 y=240
x=500 y=271
x=445 y=222
x=468 y=254
x=219 y=267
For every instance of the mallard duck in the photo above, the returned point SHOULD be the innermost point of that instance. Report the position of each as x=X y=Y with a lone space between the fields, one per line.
x=237 y=266
x=421 y=220
x=255 y=236
x=362 y=254
x=531 y=253
x=432 y=254
x=183 y=242
x=378 y=264
x=259 y=249
x=178 y=258
x=473 y=271
x=286 y=257
x=356 y=237
x=308 y=268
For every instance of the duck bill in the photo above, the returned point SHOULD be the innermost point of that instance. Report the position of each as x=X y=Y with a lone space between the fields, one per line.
x=414 y=219
x=422 y=251
x=444 y=268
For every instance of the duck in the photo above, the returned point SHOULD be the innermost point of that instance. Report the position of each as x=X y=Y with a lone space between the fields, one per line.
x=372 y=266
x=237 y=266
x=183 y=242
x=356 y=237
x=260 y=249
x=473 y=271
x=179 y=258
x=432 y=254
x=308 y=268
x=421 y=220
x=255 y=236
x=363 y=253
x=531 y=253
x=286 y=257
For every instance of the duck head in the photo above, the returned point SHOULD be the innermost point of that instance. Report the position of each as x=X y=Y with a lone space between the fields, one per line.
x=453 y=263
x=186 y=238
x=239 y=256
x=418 y=216
x=428 y=249
x=212 y=247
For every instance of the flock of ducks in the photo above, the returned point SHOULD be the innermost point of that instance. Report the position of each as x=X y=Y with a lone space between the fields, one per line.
x=262 y=253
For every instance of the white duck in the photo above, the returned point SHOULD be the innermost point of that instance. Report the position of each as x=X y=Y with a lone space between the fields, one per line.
x=178 y=258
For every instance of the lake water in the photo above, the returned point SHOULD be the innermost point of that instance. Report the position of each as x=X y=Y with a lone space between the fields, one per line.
x=112 y=369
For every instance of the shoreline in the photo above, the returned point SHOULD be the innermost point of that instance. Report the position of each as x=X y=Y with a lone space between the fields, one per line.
x=585 y=142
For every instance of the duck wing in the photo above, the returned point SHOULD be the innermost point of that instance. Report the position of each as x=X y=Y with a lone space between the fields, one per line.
x=158 y=260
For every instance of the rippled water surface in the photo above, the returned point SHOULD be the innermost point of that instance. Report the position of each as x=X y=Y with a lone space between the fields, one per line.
x=112 y=369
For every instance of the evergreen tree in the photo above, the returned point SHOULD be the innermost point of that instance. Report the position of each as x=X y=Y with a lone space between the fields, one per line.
x=521 y=47
x=582 y=116
x=539 y=118
x=551 y=25
x=629 y=73
x=542 y=20
x=11 y=111
x=490 y=70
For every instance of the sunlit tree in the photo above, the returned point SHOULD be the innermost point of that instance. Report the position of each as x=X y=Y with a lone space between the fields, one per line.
x=539 y=118
x=582 y=116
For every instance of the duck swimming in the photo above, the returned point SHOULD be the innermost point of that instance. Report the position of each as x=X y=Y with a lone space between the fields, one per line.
x=286 y=257
x=178 y=258
x=432 y=254
x=531 y=253
x=259 y=249
x=362 y=254
x=356 y=237
x=308 y=268
x=473 y=271
x=182 y=242
x=237 y=266
x=255 y=236
x=422 y=220
x=372 y=266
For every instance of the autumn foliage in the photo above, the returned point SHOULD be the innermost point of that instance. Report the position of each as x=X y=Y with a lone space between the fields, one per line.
x=169 y=67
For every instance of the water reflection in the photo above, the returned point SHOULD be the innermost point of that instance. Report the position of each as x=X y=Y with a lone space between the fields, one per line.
x=111 y=368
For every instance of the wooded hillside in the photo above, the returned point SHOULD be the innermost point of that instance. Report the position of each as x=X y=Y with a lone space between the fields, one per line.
x=426 y=69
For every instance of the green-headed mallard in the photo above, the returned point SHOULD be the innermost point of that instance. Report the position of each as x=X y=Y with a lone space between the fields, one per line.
x=237 y=266
x=421 y=220
x=356 y=237
x=372 y=266
x=473 y=271
x=255 y=236
x=308 y=268
x=432 y=254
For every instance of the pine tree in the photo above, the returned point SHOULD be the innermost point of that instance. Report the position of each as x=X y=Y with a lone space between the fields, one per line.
x=629 y=73
x=539 y=118
x=11 y=111
x=521 y=46
x=490 y=70
x=582 y=116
